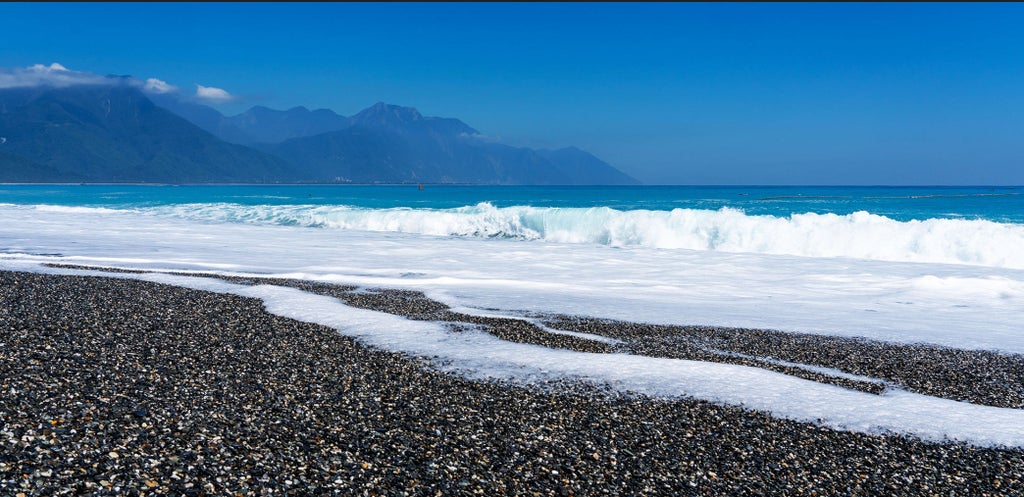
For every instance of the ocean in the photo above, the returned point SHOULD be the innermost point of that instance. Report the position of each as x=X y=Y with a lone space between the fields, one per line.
x=934 y=265
x=1004 y=204
x=940 y=224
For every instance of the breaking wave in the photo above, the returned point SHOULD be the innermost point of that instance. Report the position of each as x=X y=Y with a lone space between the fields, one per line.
x=858 y=235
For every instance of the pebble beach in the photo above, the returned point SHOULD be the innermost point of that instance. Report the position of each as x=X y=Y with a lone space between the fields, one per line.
x=125 y=387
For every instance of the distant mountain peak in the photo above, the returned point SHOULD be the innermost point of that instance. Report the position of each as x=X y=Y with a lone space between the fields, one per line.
x=381 y=113
x=406 y=119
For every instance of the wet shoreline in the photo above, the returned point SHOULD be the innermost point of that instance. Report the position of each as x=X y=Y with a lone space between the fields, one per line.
x=120 y=387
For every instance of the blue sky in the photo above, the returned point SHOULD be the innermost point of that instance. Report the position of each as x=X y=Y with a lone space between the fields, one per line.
x=681 y=93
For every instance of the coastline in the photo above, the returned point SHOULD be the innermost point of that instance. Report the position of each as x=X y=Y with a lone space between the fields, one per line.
x=975 y=376
x=124 y=386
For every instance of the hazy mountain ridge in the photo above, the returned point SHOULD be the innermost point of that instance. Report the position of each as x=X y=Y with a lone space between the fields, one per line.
x=118 y=133
x=114 y=133
x=394 y=144
x=258 y=124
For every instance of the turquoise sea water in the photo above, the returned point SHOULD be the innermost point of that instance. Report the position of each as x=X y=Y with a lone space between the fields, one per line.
x=998 y=204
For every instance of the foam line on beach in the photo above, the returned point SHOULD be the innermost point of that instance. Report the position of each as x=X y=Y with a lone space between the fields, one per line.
x=479 y=355
x=807 y=367
x=539 y=323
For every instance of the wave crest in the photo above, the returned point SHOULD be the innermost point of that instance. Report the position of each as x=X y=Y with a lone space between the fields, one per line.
x=859 y=235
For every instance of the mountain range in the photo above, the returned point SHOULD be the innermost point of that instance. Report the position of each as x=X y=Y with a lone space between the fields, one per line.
x=111 y=133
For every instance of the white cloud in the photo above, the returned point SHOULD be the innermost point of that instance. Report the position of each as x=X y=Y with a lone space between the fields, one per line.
x=51 y=75
x=58 y=76
x=213 y=94
x=154 y=85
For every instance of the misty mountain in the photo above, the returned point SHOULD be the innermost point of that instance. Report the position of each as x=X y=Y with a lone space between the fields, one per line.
x=265 y=125
x=393 y=144
x=114 y=133
x=258 y=124
x=581 y=165
x=204 y=116
x=408 y=121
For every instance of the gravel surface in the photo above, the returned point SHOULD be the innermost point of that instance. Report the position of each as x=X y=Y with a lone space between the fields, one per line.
x=976 y=376
x=123 y=387
x=980 y=377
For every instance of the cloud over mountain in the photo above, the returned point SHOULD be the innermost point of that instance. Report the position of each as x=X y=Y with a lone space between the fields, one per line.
x=211 y=94
x=54 y=75
x=154 y=85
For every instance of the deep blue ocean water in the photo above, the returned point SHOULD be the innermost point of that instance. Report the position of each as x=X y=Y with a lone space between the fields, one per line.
x=1001 y=204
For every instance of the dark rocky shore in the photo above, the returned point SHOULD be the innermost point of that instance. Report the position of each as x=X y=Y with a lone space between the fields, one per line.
x=122 y=387
x=977 y=376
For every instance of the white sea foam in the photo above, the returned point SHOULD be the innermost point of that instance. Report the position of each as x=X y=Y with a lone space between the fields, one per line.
x=481 y=355
x=972 y=307
x=76 y=209
x=859 y=235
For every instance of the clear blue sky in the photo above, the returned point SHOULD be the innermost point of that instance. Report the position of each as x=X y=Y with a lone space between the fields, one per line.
x=681 y=93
